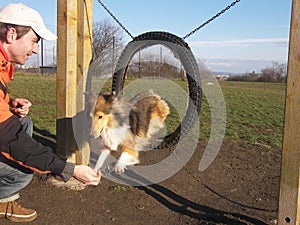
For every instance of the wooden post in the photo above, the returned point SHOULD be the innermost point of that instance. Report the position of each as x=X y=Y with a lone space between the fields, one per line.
x=289 y=199
x=73 y=56
x=84 y=53
x=66 y=76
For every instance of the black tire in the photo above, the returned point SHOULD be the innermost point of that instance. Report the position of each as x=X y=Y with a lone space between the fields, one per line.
x=182 y=50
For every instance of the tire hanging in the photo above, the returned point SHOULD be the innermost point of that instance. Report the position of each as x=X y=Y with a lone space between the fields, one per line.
x=185 y=55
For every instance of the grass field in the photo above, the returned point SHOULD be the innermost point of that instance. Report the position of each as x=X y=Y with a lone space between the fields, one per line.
x=255 y=111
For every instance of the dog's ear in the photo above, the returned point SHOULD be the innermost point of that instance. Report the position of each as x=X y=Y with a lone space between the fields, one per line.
x=113 y=96
x=108 y=96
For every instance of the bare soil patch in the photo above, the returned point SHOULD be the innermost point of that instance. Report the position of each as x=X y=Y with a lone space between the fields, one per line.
x=240 y=187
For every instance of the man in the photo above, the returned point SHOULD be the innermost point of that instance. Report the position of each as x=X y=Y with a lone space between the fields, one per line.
x=20 y=31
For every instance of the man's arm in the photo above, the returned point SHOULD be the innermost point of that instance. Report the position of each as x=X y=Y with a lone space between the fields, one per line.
x=18 y=146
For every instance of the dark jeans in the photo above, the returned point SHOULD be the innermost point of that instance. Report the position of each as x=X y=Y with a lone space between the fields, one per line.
x=14 y=177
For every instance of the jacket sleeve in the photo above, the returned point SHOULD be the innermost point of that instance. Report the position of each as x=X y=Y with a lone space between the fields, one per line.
x=18 y=146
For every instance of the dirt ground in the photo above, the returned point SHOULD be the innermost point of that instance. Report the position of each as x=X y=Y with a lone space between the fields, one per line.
x=241 y=186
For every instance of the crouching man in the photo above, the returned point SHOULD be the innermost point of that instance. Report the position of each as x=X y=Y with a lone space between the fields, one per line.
x=21 y=28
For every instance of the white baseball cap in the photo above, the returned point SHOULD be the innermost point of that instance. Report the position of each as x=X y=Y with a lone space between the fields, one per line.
x=20 y=14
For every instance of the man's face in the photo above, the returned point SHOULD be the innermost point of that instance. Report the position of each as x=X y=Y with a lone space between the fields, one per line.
x=20 y=49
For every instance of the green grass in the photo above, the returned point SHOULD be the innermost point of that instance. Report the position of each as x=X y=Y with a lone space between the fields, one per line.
x=40 y=90
x=255 y=111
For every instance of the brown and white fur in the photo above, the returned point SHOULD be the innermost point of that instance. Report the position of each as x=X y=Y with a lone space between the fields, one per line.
x=125 y=125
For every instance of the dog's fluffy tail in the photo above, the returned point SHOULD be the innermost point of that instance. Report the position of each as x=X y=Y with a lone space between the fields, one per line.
x=158 y=116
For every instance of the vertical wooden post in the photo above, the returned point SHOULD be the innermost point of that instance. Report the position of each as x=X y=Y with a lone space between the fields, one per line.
x=84 y=53
x=289 y=199
x=66 y=76
x=73 y=56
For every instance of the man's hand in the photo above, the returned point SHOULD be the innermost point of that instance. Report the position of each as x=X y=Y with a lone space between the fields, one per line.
x=86 y=175
x=20 y=106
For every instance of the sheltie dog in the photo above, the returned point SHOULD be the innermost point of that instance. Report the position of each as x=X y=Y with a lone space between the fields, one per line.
x=125 y=125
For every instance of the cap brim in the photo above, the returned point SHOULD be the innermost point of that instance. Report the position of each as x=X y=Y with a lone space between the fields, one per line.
x=44 y=33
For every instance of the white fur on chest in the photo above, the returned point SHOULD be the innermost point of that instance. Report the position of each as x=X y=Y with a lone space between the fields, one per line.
x=113 y=137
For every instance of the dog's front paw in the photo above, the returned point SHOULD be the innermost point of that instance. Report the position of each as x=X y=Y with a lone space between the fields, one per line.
x=125 y=160
x=120 y=167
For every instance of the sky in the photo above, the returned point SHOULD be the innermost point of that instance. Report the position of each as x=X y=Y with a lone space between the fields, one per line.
x=248 y=37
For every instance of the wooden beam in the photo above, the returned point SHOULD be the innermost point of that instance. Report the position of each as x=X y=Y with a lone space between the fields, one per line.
x=84 y=57
x=66 y=76
x=289 y=198
x=74 y=52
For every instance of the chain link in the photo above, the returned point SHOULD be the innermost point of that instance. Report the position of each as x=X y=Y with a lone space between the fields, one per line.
x=110 y=13
x=211 y=19
x=186 y=36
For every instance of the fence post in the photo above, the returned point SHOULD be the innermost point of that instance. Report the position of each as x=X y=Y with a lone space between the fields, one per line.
x=84 y=53
x=289 y=212
x=73 y=56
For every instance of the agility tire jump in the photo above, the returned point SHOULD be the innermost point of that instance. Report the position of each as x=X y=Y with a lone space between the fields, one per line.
x=185 y=55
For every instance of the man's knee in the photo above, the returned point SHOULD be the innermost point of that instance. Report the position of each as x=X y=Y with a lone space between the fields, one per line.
x=27 y=124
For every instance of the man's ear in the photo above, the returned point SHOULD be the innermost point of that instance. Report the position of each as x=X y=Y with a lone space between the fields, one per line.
x=11 y=35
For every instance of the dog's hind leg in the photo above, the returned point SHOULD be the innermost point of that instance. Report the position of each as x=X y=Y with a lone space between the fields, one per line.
x=104 y=154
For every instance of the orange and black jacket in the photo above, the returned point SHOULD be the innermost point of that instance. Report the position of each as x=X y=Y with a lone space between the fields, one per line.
x=15 y=144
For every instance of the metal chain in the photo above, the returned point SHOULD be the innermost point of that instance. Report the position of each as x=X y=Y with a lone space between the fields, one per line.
x=110 y=13
x=186 y=36
x=211 y=19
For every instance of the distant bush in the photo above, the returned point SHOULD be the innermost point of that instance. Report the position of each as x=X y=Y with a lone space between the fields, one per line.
x=276 y=73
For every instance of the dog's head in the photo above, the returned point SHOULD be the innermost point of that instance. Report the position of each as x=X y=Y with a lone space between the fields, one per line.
x=101 y=113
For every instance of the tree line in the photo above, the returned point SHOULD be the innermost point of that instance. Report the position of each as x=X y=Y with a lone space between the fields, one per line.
x=276 y=73
x=108 y=43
